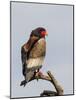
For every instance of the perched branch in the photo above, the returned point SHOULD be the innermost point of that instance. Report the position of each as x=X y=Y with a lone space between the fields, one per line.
x=48 y=93
x=56 y=84
x=59 y=90
x=41 y=76
x=50 y=78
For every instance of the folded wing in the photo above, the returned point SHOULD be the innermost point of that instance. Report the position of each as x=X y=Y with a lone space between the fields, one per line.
x=33 y=54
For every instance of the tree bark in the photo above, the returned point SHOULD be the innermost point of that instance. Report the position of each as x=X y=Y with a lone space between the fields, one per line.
x=49 y=77
x=59 y=89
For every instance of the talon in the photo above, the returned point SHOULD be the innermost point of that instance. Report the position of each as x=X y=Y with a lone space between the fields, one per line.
x=40 y=73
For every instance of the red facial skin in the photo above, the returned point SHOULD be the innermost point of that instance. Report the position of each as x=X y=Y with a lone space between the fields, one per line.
x=43 y=33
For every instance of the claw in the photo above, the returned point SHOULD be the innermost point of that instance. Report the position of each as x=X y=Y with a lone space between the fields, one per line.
x=40 y=73
x=23 y=83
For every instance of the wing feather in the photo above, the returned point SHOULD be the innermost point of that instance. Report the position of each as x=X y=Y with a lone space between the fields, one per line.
x=25 y=50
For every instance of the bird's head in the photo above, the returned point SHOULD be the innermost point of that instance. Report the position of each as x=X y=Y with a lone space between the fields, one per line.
x=39 y=32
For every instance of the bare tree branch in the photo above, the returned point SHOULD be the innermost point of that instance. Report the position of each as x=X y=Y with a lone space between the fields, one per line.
x=48 y=93
x=41 y=76
x=51 y=79
x=56 y=84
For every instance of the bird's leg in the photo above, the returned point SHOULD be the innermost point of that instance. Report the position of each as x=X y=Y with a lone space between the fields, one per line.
x=36 y=74
x=40 y=73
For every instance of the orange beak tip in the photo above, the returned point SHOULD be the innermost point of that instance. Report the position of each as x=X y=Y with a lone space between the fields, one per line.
x=46 y=34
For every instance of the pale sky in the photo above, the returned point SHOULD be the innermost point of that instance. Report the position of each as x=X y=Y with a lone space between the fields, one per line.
x=58 y=21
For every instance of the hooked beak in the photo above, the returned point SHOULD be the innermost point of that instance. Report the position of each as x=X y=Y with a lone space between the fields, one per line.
x=46 y=33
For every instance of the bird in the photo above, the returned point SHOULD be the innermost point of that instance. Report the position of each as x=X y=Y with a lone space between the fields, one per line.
x=33 y=53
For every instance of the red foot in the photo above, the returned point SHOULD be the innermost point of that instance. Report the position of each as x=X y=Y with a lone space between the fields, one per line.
x=40 y=73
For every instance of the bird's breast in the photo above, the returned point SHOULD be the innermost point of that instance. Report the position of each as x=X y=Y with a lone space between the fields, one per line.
x=35 y=62
x=39 y=49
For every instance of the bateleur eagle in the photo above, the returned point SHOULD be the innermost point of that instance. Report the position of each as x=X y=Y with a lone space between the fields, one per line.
x=33 y=54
